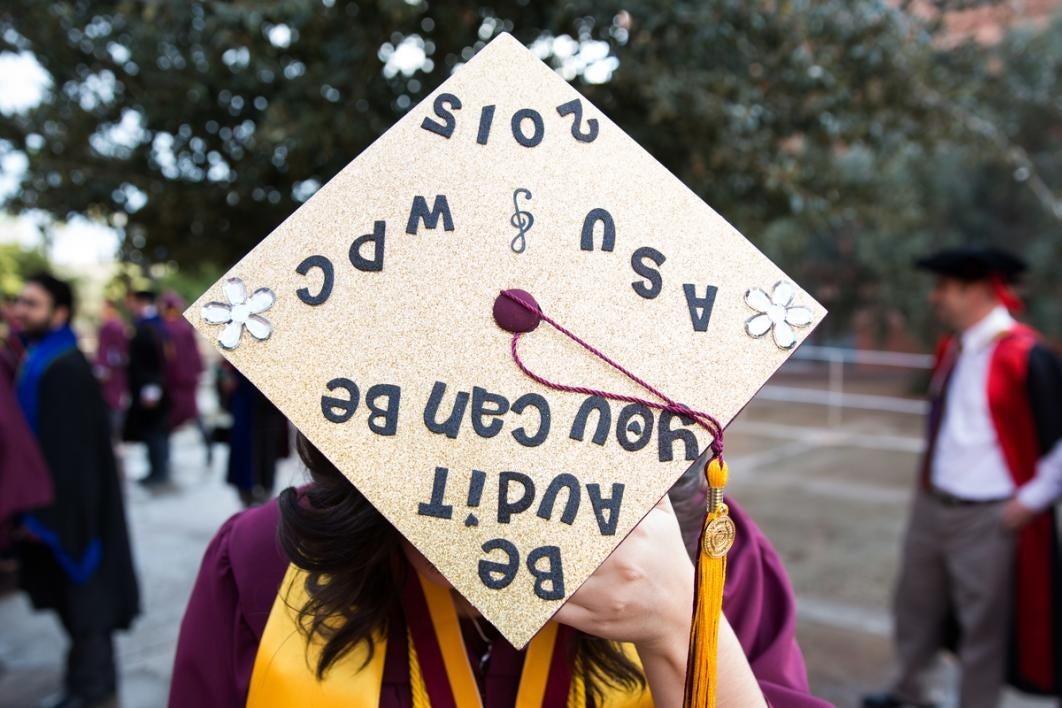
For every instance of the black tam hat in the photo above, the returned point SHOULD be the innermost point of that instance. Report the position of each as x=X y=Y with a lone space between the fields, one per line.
x=974 y=263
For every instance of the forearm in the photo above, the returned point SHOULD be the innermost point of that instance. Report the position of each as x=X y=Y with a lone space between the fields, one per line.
x=665 y=670
x=737 y=685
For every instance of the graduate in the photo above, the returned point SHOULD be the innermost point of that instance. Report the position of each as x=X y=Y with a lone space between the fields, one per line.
x=981 y=554
x=147 y=418
x=112 y=358
x=366 y=588
x=73 y=553
x=510 y=363
x=258 y=438
x=24 y=480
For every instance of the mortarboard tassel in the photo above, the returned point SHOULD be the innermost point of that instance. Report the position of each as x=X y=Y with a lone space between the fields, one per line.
x=716 y=539
x=718 y=534
x=417 y=688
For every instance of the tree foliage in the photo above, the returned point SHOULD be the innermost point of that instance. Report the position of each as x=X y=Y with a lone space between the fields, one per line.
x=17 y=262
x=839 y=135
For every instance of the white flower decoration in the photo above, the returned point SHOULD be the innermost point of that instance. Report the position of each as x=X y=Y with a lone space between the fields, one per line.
x=776 y=312
x=241 y=312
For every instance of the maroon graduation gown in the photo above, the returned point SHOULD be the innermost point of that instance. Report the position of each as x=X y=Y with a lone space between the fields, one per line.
x=183 y=369
x=24 y=480
x=243 y=568
x=112 y=355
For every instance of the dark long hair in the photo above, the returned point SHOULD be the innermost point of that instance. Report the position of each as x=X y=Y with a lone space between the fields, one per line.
x=354 y=568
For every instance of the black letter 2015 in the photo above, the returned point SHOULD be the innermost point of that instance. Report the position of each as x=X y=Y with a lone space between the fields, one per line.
x=446 y=128
x=518 y=130
x=576 y=107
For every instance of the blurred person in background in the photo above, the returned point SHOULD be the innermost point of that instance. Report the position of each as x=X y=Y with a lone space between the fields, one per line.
x=258 y=438
x=74 y=555
x=24 y=480
x=147 y=419
x=112 y=356
x=11 y=348
x=183 y=368
x=980 y=566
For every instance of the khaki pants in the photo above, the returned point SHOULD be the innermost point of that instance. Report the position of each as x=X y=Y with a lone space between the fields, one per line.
x=956 y=560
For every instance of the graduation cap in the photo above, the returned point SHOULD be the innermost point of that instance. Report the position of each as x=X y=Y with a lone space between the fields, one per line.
x=972 y=264
x=511 y=328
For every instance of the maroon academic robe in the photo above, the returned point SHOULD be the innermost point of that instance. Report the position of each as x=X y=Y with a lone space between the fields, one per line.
x=24 y=480
x=1025 y=403
x=243 y=568
x=183 y=369
x=11 y=353
x=112 y=355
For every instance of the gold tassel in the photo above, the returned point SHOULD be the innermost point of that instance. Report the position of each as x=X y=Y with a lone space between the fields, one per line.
x=577 y=691
x=716 y=539
x=417 y=687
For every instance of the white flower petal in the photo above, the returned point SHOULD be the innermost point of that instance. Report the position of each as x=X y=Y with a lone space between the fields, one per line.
x=216 y=313
x=758 y=325
x=798 y=316
x=259 y=327
x=240 y=313
x=230 y=335
x=261 y=300
x=757 y=299
x=784 y=336
x=235 y=291
x=775 y=312
x=783 y=293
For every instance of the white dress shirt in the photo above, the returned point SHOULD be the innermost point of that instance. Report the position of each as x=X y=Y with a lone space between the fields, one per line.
x=968 y=461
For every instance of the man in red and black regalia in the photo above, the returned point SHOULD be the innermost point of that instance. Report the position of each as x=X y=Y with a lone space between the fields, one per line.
x=980 y=566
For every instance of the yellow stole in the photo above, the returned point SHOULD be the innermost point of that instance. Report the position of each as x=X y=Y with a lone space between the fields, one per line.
x=283 y=674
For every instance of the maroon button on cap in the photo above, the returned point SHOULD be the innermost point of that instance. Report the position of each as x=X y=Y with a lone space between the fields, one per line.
x=512 y=315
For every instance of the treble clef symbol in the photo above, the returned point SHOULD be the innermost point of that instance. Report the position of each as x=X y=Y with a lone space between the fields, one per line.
x=522 y=220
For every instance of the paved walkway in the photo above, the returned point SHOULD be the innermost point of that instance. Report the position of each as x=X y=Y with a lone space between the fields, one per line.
x=832 y=498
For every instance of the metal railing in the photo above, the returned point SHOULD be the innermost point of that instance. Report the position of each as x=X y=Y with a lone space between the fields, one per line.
x=834 y=397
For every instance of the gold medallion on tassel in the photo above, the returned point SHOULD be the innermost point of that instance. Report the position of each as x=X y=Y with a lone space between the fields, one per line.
x=719 y=536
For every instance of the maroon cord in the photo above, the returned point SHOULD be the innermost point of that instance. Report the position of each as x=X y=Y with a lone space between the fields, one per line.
x=705 y=420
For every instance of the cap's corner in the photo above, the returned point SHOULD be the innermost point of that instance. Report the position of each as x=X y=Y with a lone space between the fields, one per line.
x=504 y=36
x=504 y=40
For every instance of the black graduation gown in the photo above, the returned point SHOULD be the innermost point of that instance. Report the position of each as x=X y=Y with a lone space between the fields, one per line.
x=147 y=367
x=1045 y=400
x=258 y=439
x=1045 y=395
x=74 y=435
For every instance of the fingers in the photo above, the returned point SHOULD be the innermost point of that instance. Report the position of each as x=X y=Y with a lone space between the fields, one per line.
x=602 y=617
x=592 y=588
x=575 y=615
